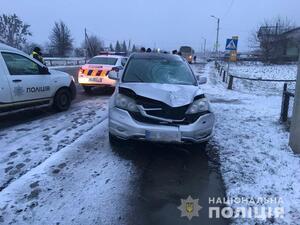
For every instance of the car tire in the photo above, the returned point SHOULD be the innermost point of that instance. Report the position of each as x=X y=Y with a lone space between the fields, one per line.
x=87 y=89
x=113 y=140
x=62 y=100
x=199 y=146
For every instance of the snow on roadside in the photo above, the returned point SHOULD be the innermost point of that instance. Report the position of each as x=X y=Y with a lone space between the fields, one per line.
x=261 y=71
x=256 y=161
x=27 y=145
x=84 y=183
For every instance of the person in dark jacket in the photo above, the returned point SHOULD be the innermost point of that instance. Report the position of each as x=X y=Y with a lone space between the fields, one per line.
x=36 y=54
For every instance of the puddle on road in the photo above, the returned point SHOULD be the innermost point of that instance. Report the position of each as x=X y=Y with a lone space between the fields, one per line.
x=168 y=174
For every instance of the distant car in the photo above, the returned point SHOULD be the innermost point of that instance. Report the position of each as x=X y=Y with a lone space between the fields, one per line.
x=158 y=98
x=25 y=82
x=95 y=72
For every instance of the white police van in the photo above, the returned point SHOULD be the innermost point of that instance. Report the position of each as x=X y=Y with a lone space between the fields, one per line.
x=25 y=82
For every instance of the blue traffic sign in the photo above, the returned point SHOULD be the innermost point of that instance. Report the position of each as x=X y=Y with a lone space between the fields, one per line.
x=231 y=44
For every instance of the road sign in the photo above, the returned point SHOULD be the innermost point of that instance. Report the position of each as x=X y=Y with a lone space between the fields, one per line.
x=233 y=56
x=231 y=44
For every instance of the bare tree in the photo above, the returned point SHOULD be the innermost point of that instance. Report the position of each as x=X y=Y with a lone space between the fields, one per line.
x=61 y=41
x=267 y=38
x=93 y=45
x=13 y=31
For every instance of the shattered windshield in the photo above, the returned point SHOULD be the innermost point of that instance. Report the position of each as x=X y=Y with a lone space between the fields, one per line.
x=163 y=71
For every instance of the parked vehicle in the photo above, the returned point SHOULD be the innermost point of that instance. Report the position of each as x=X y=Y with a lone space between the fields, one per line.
x=188 y=53
x=158 y=98
x=94 y=73
x=25 y=82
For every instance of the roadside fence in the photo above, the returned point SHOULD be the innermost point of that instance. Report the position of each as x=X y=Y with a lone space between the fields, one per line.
x=287 y=97
x=64 y=61
x=229 y=78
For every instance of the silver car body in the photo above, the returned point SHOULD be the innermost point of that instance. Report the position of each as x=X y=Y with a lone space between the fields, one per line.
x=147 y=124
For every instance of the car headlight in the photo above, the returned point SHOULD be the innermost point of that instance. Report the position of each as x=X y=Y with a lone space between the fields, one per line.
x=200 y=105
x=126 y=103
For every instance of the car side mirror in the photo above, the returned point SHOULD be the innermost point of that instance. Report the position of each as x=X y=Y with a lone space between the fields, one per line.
x=202 y=80
x=114 y=75
x=44 y=70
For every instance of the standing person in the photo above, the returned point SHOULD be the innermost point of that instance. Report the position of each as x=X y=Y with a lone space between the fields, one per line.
x=143 y=49
x=195 y=58
x=36 y=54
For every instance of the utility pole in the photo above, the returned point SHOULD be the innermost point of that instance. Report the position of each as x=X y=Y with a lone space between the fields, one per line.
x=218 y=31
x=295 y=128
x=85 y=41
x=204 y=47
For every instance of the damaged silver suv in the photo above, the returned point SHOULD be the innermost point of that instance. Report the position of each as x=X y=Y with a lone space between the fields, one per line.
x=158 y=98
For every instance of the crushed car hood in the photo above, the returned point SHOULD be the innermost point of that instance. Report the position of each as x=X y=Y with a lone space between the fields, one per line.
x=170 y=94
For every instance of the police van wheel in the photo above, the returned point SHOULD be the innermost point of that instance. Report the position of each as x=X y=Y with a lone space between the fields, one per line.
x=87 y=89
x=62 y=100
x=113 y=140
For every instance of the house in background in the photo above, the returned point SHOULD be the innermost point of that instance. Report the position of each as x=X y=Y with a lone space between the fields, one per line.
x=292 y=43
x=278 y=44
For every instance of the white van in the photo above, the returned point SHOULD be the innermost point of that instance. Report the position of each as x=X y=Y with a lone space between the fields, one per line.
x=25 y=82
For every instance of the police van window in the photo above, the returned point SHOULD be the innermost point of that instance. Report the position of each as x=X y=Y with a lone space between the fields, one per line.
x=123 y=61
x=103 y=61
x=20 y=65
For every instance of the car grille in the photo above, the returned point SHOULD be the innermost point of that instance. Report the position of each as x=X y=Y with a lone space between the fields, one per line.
x=164 y=113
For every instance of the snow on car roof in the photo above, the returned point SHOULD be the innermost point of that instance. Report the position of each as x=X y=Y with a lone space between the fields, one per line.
x=155 y=56
x=109 y=56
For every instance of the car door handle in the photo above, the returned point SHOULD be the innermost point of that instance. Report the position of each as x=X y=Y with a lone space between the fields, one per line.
x=16 y=81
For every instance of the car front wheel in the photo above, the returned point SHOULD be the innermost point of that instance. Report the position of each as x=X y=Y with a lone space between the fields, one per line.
x=62 y=100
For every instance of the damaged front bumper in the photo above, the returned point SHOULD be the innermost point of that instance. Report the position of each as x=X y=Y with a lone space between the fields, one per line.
x=123 y=126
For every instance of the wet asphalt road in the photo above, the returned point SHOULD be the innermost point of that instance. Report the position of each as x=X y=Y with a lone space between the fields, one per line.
x=168 y=173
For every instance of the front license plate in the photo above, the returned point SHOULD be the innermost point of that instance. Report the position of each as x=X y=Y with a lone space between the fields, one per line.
x=163 y=136
x=95 y=79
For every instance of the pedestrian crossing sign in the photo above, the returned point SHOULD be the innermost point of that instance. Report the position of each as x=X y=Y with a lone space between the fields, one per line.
x=231 y=44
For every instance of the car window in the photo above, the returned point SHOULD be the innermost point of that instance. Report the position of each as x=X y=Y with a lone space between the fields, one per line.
x=20 y=65
x=163 y=71
x=103 y=61
x=123 y=61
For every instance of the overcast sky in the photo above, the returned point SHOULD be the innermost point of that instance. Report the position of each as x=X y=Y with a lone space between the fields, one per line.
x=166 y=24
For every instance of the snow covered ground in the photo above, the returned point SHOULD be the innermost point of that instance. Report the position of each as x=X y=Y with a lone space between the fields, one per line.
x=84 y=183
x=25 y=146
x=262 y=71
x=256 y=161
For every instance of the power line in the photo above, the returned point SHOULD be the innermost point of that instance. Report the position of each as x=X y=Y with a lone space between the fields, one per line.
x=229 y=8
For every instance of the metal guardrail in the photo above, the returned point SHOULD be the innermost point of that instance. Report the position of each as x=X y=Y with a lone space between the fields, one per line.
x=64 y=61
x=286 y=96
x=229 y=78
